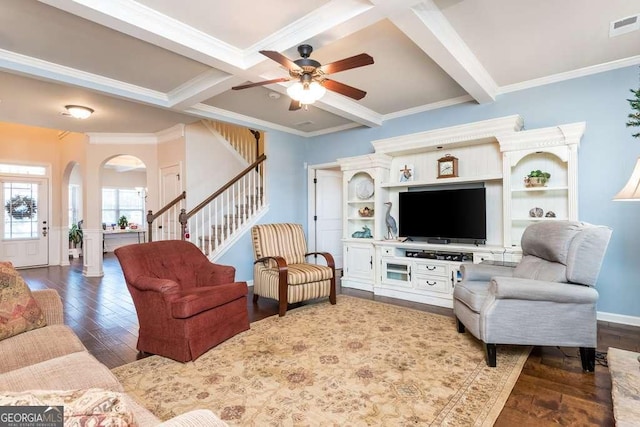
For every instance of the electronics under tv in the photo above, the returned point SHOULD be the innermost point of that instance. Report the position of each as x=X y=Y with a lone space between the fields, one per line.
x=442 y=216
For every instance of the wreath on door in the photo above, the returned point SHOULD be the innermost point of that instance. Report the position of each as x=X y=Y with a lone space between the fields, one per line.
x=21 y=207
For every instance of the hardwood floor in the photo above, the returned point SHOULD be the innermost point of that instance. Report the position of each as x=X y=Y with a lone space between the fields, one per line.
x=551 y=390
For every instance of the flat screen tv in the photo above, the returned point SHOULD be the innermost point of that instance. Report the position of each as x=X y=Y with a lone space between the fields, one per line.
x=442 y=216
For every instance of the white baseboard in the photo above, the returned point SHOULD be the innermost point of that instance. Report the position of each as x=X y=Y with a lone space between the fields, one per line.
x=619 y=318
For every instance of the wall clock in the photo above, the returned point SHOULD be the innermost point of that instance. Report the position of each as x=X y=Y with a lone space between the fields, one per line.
x=448 y=167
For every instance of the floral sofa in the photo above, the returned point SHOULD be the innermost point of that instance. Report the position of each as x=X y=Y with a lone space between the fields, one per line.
x=47 y=364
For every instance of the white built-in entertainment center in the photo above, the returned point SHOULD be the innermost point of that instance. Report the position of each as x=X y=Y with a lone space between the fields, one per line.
x=495 y=154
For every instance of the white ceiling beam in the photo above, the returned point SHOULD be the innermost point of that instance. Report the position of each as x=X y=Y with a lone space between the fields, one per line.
x=144 y=23
x=428 y=28
x=200 y=88
x=43 y=70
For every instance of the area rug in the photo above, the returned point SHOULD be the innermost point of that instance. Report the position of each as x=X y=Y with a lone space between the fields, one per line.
x=356 y=363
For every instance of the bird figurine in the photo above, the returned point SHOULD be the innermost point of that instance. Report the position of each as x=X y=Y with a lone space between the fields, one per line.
x=392 y=228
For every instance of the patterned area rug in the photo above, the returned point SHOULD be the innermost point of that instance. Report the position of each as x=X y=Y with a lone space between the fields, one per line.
x=356 y=363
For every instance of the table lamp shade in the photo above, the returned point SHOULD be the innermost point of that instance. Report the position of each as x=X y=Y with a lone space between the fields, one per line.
x=631 y=190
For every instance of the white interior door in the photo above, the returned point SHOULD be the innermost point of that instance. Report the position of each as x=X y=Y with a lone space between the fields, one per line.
x=171 y=187
x=25 y=221
x=327 y=223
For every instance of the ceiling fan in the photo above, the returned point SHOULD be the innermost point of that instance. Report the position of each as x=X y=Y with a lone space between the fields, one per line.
x=311 y=78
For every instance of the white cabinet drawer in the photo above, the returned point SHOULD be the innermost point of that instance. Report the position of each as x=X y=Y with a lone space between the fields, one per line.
x=430 y=283
x=387 y=251
x=431 y=269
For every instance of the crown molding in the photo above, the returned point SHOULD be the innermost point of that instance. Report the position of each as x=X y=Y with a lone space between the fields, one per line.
x=466 y=134
x=59 y=73
x=170 y=134
x=566 y=134
x=569 y=75
x=103 y=138
x=166 y=135
x=209 y=112
x=200 y=88
x=332 y=130
x=428 y=107
x=365 y=161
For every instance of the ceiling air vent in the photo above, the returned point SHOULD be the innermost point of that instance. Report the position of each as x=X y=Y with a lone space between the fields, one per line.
x=303 y=124
x=624 y=25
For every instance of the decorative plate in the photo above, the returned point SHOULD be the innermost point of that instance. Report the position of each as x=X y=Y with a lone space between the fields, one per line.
x=364 y=189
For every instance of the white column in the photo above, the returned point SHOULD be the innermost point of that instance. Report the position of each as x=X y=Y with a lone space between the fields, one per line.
x=92 y=253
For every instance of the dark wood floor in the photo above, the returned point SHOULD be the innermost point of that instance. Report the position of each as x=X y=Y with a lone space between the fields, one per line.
x=551 y=390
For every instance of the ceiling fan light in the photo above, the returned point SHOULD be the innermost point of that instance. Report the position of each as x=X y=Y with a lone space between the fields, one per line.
x=317 y=90
x=306 y=95
x=295 y=91
x=78 y=111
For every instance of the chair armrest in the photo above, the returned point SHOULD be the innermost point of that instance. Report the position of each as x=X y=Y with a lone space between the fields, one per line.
x=51 y=305
x=280 y=262
x=538 y=290
x=196 y=418
x=484 y=271
x=215 y=274
x=164 y=286
x=327 y=257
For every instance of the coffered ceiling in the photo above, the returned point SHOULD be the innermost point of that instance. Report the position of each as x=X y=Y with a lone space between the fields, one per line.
x=146 y=65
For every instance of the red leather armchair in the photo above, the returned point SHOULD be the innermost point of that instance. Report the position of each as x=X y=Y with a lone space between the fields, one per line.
x=185 y=304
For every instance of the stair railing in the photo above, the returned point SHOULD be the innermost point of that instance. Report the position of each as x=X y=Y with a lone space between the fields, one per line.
x=246 y=142
x=219 y=216
x=168 y=227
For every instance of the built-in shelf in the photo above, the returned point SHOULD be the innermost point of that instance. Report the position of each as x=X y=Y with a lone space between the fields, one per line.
x=456 y=180
x=360 y=218
x=367 y=201
x=534 y=189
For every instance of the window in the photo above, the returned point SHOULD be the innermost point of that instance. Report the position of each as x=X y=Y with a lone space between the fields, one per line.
x=74 y=203
x=117 y=202
x=21 y=210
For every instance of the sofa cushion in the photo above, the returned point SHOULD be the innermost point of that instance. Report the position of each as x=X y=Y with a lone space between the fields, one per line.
x=78 y=370
x=19 y=311
x=90 y=407
x=37 y=346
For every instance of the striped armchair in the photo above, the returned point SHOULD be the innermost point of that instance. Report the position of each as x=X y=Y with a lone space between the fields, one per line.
x=280 y=270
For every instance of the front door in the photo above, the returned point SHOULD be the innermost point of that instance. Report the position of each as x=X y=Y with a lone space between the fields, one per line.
x=25 y=222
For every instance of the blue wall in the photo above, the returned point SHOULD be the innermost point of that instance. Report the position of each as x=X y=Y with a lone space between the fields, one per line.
x=607 y=155
x=287 y=196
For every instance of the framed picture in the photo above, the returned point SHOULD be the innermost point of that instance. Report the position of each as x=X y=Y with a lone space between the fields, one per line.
x=406 y=173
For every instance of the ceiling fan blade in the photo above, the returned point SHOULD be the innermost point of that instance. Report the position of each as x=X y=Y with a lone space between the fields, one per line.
x=281 y=59
x=344 y=89
x=266 y=82
x=347 y=64
x=295 y=105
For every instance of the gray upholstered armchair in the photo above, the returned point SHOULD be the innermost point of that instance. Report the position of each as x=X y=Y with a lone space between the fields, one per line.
x=548 y=299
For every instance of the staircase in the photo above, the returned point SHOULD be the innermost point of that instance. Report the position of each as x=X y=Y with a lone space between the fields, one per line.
x=219 y=220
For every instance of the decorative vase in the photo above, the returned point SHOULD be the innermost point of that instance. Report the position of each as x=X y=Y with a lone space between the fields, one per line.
x=536 y=213
x=535 y=181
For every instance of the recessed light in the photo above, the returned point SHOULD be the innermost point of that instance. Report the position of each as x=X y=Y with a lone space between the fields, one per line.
x=274 y=95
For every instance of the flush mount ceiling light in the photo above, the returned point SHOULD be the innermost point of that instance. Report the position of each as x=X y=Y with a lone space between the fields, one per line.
x=78 y=111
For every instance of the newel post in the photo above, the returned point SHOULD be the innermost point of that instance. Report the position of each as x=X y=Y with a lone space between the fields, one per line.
x=182 y=218
x=149 y=224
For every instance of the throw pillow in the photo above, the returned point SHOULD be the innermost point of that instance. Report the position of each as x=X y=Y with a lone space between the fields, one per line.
x=90 y=407
x=19 y=311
